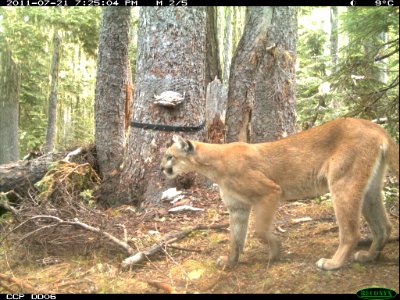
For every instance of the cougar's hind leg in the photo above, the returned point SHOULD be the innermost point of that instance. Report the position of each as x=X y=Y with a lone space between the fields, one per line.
x=347 y=206
x=264 y=212
x=347 y=182
x=239 y=218
x=375 y=215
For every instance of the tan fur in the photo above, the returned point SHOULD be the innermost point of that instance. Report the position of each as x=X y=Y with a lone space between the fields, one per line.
x=347 y=157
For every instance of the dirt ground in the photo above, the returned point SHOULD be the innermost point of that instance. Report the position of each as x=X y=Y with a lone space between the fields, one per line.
x=188 y=266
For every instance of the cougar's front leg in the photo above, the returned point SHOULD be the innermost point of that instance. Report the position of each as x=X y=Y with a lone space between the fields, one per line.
x=239 y=218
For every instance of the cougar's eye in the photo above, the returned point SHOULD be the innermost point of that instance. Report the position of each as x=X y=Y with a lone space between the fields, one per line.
x=169 y=157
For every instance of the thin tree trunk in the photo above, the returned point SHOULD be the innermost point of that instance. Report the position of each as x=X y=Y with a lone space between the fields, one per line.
x=171 y=56
x=374 y=72
x=382 y=75
x=334 y=35
x=52 y=111
x=245 y=63
x=274 y=112
x=112 y=93
x=9 y=108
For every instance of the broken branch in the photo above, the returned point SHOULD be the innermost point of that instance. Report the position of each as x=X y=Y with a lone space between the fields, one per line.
x=76 y=152
x=183 y=249
x=162 y=286
x=5 y=204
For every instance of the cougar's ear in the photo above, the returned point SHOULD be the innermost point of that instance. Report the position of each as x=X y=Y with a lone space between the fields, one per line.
x=177 y=139
x=183 y=144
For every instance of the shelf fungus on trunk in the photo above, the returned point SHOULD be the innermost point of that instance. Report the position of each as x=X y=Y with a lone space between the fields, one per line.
x=169 y=99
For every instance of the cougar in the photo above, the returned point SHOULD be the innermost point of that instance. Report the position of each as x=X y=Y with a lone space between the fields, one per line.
x=346 y=157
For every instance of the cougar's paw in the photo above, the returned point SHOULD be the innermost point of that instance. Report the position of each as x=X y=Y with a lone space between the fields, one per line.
x=363 y=256
x=327 y=264
x=224 y=264
x=274 y=250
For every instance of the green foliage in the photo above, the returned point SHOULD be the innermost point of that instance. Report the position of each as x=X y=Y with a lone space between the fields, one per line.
x=29 y=52
x=28 y=31
x=82 y=27
x=87 y=197
x=365 y=81
x=314 y=101
x=368 y=75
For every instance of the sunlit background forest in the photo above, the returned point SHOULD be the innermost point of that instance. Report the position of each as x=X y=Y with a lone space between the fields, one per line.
x=347 y=65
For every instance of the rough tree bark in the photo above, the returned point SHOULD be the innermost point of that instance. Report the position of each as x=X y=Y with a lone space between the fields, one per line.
x=113 y=94
x=52 y=110
x=9 y=91
x=227 y=42
x=171 y=56
x=213 y=63
x=239 y=18
x=274 y=111
x=248 y=55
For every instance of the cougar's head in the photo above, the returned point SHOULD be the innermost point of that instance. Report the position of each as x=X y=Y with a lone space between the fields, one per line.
x=176 y=159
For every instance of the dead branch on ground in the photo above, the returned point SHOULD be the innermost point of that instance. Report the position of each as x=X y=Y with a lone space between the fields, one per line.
x=25 y=287
x=171 y=238
x=162 y=286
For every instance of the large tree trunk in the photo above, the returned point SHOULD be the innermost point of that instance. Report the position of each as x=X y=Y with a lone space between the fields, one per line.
x=274 y=112
x=213 y=63
x=248 y=55
x=171 y=56
x=113 y=93
x=52 y=111
x=9 y=91
x=228 y=42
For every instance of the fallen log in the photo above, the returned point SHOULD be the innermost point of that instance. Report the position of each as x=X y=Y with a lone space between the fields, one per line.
x=20 y=175
x=171 y=238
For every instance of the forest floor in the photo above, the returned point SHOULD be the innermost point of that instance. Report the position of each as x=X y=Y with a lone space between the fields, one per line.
x=188 y=266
